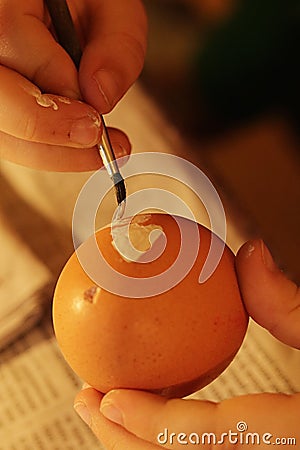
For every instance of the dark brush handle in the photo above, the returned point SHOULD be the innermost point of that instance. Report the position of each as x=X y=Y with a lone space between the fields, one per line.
x=64 y=28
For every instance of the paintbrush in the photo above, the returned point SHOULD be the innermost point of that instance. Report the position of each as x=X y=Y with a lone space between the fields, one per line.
x=67 y=37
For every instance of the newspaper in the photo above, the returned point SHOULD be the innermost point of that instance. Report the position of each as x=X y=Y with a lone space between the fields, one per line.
x=37 y=388
x=24 y=286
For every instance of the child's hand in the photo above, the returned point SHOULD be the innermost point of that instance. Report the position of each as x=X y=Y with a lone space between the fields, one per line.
x=137 y=418
x=40 y=129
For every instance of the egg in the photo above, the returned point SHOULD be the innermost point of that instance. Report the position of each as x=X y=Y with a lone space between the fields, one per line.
x=150 y=322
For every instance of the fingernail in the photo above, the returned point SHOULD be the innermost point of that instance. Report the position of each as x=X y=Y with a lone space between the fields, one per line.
x=249 y=250
x=121 y=152
x=83 y=412
x=107 y=86
x=85 y=131
x=111 y=412
x=267 y=257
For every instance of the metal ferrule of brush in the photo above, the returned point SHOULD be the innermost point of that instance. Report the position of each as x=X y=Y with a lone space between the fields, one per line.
x=108 y=158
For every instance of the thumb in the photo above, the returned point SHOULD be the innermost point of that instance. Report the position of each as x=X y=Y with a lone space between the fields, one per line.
x=111 y=435
x=271 y=299
x=136 y=420
x=141 y=420
x=156 y=419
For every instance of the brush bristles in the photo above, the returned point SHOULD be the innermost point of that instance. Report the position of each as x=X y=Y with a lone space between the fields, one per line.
x=120 y=191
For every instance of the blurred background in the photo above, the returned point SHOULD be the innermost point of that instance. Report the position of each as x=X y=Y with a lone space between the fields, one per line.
x=226 y=73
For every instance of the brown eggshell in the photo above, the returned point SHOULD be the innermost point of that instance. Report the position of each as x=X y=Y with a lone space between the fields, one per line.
x=172 y=343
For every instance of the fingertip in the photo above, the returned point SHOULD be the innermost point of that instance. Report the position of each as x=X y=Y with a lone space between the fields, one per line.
x=88 y=396
x=255 y=251
x=121 y=145
x=110 y=408
x=255 y=266
x=254 y=276
x=86 y=403
x=101 y=89
x=108 y=89
x=271 y=299
x=247 y=250
x=83 y=412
